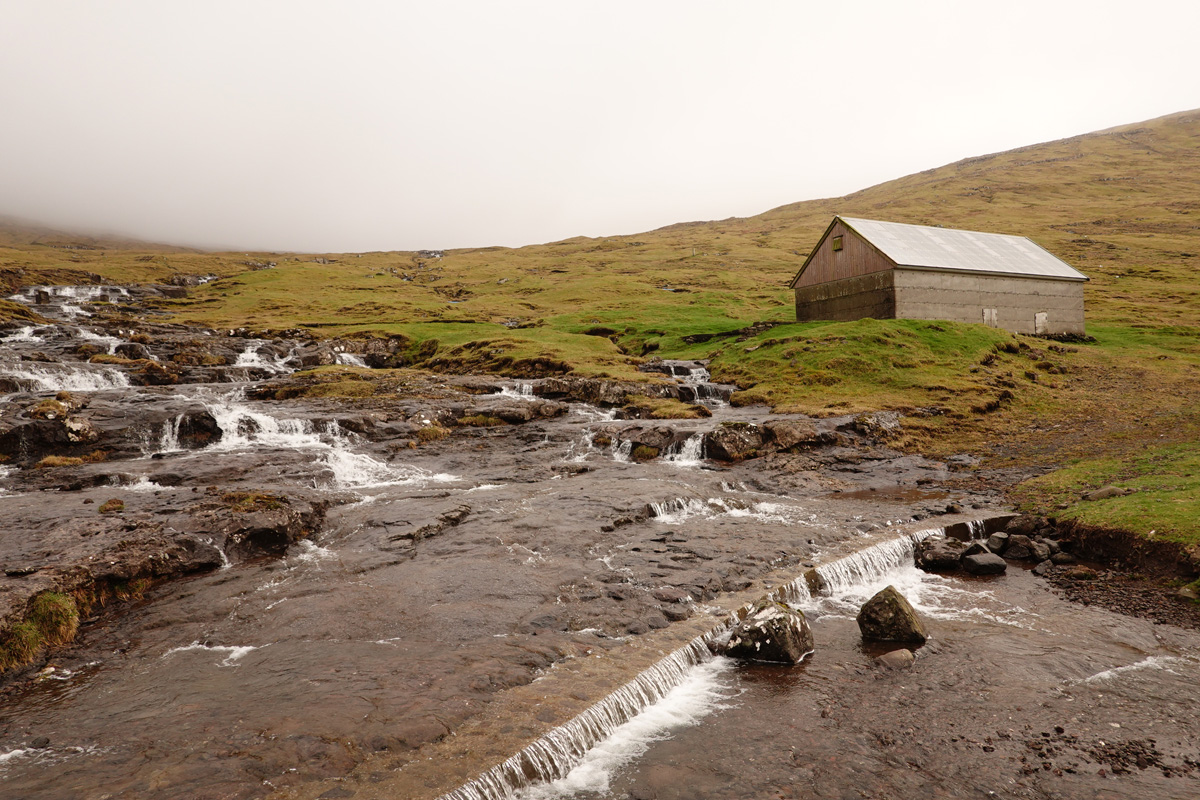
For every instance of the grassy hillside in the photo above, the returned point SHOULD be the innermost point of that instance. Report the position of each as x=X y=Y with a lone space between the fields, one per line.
x=1122 y=205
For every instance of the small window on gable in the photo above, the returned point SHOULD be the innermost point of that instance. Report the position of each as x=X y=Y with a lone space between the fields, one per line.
x=837 y=243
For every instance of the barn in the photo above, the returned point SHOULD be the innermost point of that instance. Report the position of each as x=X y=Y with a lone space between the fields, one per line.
x=889 y=270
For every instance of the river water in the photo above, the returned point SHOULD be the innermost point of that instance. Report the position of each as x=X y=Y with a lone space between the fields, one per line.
x=463 y=598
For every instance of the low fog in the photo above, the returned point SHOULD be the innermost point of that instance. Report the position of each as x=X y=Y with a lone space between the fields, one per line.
x=394 y=125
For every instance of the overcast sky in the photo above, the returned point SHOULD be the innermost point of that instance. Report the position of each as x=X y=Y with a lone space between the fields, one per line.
x=323 y=126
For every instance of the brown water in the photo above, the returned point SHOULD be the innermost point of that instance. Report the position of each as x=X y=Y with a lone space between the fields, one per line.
x=342 y=666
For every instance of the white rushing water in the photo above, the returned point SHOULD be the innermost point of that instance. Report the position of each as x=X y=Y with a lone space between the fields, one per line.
x=109 y=342
x=560 y=751
x=66 y=377
x=232 y=655
x=25 y=334
x=350 y=360
x=1151 y=663
x=519 y=391
x=252 y=358
x=705 y=689
x=681 y=509
x=244 y=428
x=688 y=453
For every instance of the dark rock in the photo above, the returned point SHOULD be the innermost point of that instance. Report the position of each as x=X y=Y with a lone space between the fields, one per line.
x=889 y=617
x=997 y=542
x=975 y=548
x=1042 y=568
x=1062 y=558
x=789 y=434
x=133 y=350
x=1020 y=547
x=1023 y=525
x=771 y=631
x=896 y=659
x=984 y=564
x=939 y=554
x=733 y=441
x=1040 y=551
x=39 y=742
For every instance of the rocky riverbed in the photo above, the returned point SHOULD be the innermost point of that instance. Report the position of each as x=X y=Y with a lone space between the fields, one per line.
x=290 y=584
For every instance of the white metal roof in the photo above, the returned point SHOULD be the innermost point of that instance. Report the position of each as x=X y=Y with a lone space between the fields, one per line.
x=947 y=248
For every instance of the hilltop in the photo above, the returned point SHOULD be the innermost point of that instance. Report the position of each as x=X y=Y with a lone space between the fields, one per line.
x=1122 y=205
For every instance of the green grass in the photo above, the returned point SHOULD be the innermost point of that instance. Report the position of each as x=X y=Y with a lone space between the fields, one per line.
x=52 y=618
x=1121 y=205
x=1165 y=502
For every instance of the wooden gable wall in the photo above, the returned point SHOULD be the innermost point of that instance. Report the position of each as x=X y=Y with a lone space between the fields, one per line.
x=856 y=258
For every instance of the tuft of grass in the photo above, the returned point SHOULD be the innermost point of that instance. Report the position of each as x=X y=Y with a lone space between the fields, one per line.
x=51 y=619
x=244 y=502
x=432 y=433
x=665 y=407
x=50 y=462
x=644 y=452
x=113 y=506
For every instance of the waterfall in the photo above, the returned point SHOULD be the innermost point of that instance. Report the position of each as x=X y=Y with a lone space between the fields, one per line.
x=109 y=342
x=67 y=377
x=519 y=391
x=243 y=428
x=350 y=360
x=622 y=450
x=251 y=358
x=689 y=453
x=553 y=755
x=169 y=441
x=25 y=334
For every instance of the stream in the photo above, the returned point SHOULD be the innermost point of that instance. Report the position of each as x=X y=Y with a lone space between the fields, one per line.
x=530 y=585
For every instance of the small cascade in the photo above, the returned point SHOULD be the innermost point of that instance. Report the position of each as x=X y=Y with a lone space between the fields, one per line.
x=169 y=441
x=522 y=390
x=109 y=342
x=554 y=755
x=243 y=428
x=350 y=360
x=622 y=450
x=577 y=452
x=66 y=377
x=251 y=358
x=675 y=512
x=25 y=334
x=688 y=453
x=859 y=568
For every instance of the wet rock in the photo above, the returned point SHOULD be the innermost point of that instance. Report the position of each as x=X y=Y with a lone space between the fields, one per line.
x=39 y=742
x=1062 y=558
x=789 y=434
x=997 y=542
x=198 y=428
x=984 y=564
x=896 y=659
x=1040 y=551
x=733 y=441
x=133 y=350
x=975 y=548
x=889 y=617
x=771 y=631
x=1042 y=568
x=1023 y=525
x=1020 y=548
x=939 y=554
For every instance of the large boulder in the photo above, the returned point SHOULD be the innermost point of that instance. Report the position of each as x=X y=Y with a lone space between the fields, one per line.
x=889 y=617
x=939 y=554
x=1020 y=547
x=733 y=441
x=771 y=631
